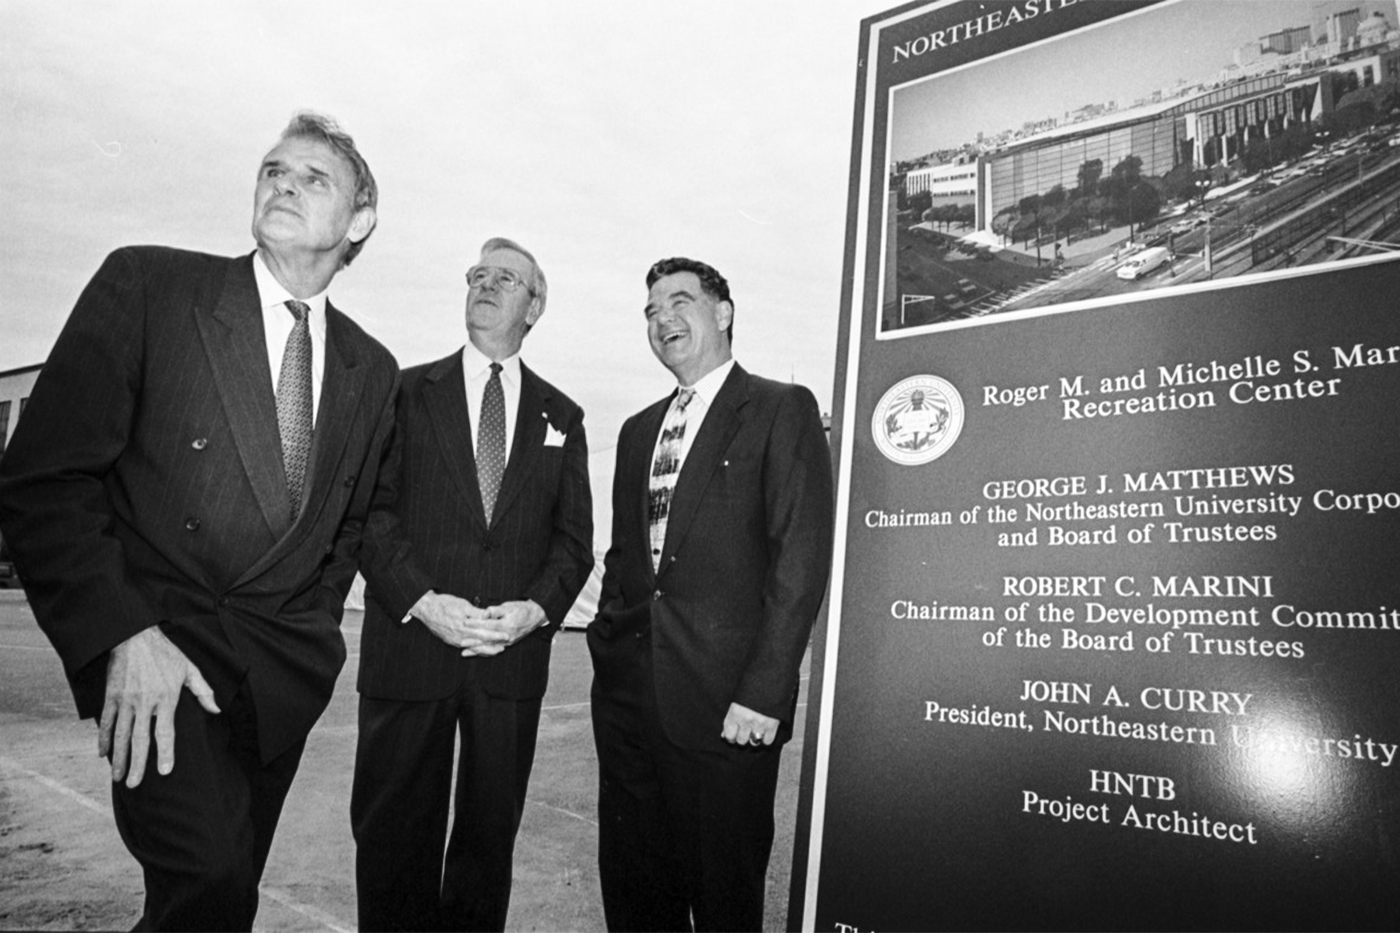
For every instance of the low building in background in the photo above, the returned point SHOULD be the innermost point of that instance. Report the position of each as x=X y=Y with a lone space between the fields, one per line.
x=15 y=386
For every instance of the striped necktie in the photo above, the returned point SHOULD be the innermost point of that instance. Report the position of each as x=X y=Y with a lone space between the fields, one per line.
x=294 y=404
x=664 y=470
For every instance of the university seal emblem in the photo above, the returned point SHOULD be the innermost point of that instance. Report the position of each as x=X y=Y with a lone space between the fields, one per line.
x=917 y=420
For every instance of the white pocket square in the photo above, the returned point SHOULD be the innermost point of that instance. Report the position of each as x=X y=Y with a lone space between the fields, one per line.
x=553 y=438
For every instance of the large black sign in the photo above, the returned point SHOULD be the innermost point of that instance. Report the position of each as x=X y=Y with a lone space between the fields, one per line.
x=1114 y=632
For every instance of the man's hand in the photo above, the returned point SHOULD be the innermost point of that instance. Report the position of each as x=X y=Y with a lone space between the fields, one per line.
x=517 y=618
x=743 y=726
x=458 y=623
x=145 y=674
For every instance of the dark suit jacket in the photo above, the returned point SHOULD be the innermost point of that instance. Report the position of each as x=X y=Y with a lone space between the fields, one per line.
x=429 y=531
x=145 y=485
x=744 y=565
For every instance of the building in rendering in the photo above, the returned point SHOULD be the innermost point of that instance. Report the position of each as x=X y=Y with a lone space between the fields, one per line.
x=948 y=184
x=1204 y=128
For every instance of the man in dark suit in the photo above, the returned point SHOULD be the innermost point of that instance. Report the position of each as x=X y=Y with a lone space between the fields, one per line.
x=481 y=537
x=184 y=499
x=721 y=543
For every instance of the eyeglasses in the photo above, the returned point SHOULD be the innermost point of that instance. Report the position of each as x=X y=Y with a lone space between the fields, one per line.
x=506 y=280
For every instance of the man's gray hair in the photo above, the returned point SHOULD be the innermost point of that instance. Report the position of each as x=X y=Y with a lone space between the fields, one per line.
x=311 y=125
x=538 y=286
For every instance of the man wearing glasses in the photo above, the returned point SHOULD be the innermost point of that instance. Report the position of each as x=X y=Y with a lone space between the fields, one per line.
x=480 y=538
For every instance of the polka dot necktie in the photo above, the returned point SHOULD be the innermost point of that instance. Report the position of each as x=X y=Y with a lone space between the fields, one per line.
x=491 y=441
x=664 y=471
x=294 y=404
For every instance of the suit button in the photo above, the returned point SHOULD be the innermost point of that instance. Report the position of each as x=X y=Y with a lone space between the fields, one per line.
x=223 y=600
x=487 y=545
x=656 y=595
x=199 y=443
x=191 y=524
x=349 y=481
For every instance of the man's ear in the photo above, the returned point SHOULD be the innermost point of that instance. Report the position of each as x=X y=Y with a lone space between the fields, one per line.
x=362 y=224
x=724 y=315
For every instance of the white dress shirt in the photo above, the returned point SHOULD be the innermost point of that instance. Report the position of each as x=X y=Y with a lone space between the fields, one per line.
x=706 y=388
x=476 y=368
x=278 y=321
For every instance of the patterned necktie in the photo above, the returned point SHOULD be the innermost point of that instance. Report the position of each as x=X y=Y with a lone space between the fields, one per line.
x=491 y=441
x=294 y=404
x=664 y=470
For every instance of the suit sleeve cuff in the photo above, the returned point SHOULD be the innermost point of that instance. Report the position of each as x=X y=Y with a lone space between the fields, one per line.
x=413 y=610
x=399 y=593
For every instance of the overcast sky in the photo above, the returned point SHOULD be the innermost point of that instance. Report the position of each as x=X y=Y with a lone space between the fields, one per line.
x=601 y=135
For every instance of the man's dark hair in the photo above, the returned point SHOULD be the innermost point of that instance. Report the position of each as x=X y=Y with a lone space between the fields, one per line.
x=711 y=282
x=311 y=125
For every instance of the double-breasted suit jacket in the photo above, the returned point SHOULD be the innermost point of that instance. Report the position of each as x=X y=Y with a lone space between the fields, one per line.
x=430 y=532
x=145 y=485
x=743 y=569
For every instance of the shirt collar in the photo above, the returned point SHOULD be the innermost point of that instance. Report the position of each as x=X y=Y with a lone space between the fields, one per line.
x=271 y=292
x=475 y=364
x=708 y=385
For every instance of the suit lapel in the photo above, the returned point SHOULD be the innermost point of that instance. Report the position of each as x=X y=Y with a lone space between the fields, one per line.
x=341 y=386
x=527 y=445
x=445 y=397
x=706 y=454
x=236 y=346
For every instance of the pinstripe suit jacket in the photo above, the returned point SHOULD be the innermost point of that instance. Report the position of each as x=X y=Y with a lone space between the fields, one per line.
x=428 y=531
x=145 y=485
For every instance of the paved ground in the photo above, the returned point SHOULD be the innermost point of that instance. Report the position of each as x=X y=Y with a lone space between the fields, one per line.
x=62 y=866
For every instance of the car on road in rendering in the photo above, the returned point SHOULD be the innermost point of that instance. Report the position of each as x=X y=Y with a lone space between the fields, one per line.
x=1143 y=263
